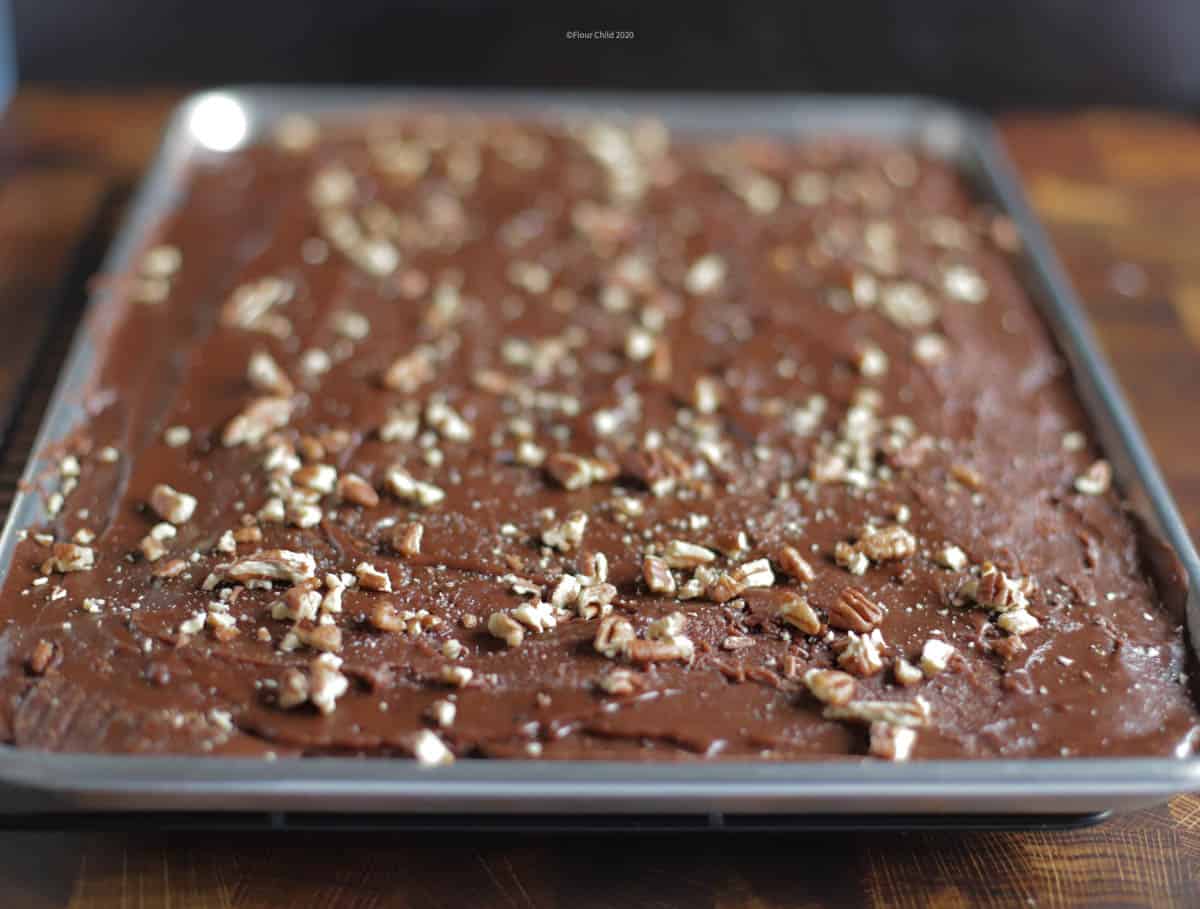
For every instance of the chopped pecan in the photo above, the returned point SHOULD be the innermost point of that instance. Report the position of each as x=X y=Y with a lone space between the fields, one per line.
x=737 y=642
x=795 y=610
x=354 y=489
x=325 y=685
x=252 y=534
x=706 y=395
x=1017 y=622
x=757 y=573
x=172 y=568
x=300 y=603
x=725 y=588
x=794 y=565
x=443 y=712
x=851 y=558
x=658 y=577
x=861 y=654
x=855 y=611
x=567 y=534
x=1007 y=647
x=659 y=469
x=681 y=554
x=171 y=504
x=502 y=625
x=887 y=544
x=67 y=557
x=594 y=600
x=457 y=676
x=908 y=714
x=967 y=476
x=936 y=656
x=327 y=638
x=830 y=686
x=659 y=651
x=406 y=538
x=1096 y=480
x=261 y=417
x=267 y=375
x=372 y=578
x=614 y=636
x=993 y=589
x=536 y=616
x=268 y=565
x=891 y=742
x=620 y=681
x=912 y=454
x=292 y=689
x=573 y=471
x=386 y=617
x=906 y=673
x=871 y=361
x=40 y=657
x=406 y=487
x=951 y=557
x=429 y=750
x=320 y=478
x=411 y=371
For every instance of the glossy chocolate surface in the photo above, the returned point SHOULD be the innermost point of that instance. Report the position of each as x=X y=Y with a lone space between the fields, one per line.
x=495 y=351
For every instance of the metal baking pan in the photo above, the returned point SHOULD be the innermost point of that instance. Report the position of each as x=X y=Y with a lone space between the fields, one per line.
x=718 y=794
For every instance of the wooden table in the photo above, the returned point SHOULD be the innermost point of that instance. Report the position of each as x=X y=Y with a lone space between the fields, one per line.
x=1120 y=193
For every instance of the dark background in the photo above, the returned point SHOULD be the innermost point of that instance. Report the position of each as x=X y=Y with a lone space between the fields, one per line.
x=1028 y=53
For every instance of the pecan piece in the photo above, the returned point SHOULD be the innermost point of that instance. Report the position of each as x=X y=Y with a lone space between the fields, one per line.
x=354 y=489
x=855 y=611
x=409 y=489
x=327 y=638
x=261 y=417
x=851 y=558
x=909 y=714
x=795 y=610
x=1096 y=480
x=614 y=636
x=292 y=689
x=906 y=673
x=268 y=565
x=372 y=578
x=659 y=469
x=502 y=625
x=830 y=686
x=66 y=557
x=1018 y=622
x=993 y=589
x=620 y=682
x=659 y=651
x=794 y=565
x=326 y=684
x=171 y=504
x=891 y=742
x=887 y=544
x=386 y=617
x=936 y=656
x=411 y=371
x=40 y=657
x=266 y=375
x=429 y=750
x=406 y=538
x=861 y=654
x=681 y=554
x=568 y=534
x=573 y=471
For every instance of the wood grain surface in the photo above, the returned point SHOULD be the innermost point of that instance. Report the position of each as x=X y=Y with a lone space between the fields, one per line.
x=1120 y=194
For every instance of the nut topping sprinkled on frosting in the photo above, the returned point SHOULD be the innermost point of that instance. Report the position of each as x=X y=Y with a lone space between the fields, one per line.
x=580 y=440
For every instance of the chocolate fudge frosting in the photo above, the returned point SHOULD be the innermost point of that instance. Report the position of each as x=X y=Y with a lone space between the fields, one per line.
x=443 y=436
